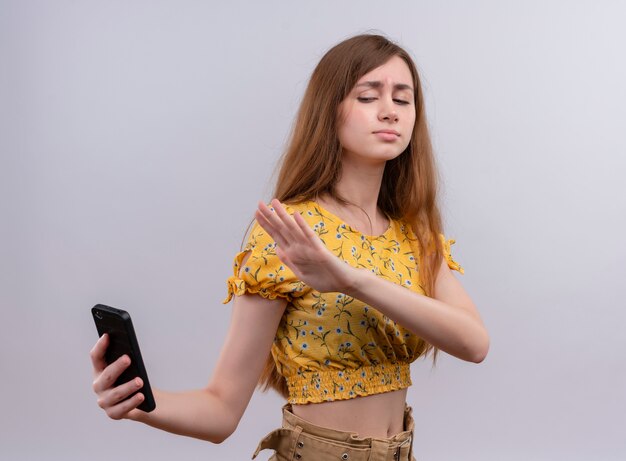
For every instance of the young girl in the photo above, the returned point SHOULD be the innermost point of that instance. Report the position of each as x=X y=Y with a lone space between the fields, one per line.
x=346 y=279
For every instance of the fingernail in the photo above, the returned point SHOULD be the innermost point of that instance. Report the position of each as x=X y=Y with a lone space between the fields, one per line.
x=138 y=382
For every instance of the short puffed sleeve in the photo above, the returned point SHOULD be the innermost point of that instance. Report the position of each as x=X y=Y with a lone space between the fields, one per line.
x=262 y=272
x=452 y=264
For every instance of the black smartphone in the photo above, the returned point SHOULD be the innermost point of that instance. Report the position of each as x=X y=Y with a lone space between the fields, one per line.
x=122 y=340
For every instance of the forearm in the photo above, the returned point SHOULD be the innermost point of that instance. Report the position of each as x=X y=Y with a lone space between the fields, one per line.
x=449 y=328
x=198 y=413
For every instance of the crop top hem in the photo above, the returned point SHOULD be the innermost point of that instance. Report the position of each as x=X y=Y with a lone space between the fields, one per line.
x=331 y=384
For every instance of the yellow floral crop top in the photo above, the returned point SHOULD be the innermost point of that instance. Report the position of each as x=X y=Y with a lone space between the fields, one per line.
x=330 y=346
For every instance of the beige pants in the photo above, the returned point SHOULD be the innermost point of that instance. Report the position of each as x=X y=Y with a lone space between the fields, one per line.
x=300 y=440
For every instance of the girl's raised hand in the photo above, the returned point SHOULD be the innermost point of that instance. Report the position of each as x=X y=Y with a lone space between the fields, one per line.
x=302 y=250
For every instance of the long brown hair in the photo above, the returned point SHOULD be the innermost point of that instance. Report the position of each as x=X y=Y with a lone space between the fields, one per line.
x=311 y=164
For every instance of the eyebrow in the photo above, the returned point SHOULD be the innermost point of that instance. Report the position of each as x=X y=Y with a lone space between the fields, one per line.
x=379 y=84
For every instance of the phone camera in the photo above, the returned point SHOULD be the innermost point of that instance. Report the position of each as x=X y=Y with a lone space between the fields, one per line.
x=98 y=315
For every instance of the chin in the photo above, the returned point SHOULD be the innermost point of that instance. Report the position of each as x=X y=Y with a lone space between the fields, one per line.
x=390 y=155
x=374 y=156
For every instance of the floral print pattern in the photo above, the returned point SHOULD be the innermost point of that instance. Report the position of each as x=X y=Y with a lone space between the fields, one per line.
x=331 y=346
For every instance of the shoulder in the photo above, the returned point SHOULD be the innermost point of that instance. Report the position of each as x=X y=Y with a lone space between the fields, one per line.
x=309 y=210
x=402 y=230
x=312 y=213
x=308 y=207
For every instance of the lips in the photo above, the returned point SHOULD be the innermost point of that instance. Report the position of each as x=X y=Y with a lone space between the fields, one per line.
x=387 y=135
x=390 y=132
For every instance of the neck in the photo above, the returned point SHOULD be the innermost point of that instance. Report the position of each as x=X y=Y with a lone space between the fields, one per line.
x=359 y=185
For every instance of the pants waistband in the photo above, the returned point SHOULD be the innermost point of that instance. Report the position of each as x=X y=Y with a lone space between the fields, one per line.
x=292 y=421
x=297 y=435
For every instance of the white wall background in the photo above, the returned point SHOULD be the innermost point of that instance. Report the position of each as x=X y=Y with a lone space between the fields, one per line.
x=137 y=136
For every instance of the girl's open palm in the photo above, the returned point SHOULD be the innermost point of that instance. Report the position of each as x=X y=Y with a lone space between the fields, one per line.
x=302 y=251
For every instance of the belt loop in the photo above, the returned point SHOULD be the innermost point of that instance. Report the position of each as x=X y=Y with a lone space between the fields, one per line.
x=295 y=434
x=412 y=439
x=409 y=426
x=379 y=450
x=273 y=440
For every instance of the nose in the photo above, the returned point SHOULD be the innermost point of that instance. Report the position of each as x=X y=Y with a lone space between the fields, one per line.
x=388 y=112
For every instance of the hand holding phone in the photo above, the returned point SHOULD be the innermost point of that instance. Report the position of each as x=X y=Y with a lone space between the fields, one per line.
x=118 y=363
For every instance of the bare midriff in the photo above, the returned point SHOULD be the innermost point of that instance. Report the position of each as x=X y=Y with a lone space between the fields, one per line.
x=379 y=415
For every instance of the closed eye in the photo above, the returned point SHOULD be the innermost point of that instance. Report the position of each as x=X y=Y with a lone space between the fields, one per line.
x=364 y=99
